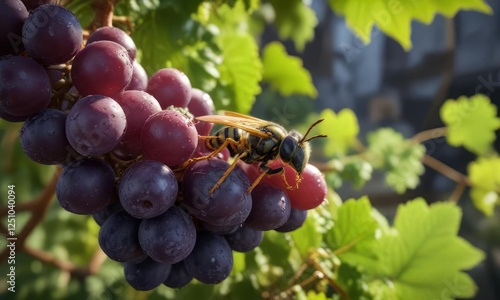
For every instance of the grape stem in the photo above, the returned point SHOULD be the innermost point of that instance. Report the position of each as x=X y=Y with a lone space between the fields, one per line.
x=103 y=14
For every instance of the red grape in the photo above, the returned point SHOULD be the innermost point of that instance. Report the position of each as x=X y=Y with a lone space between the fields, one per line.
x=170 y=137
x=102 y=68
x=170 y=87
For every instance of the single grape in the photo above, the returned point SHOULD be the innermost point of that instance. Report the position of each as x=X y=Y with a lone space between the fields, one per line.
x=139 y=81
x=146 y=275
x=230 y=203
x=201 y=104
x=170 y=87
x=138 y=107
x=102 y=68
x=168 y=238
x=95 y=125
x=294 y=221
x=211 y=260
x=52 y=34
x=312 y=189
x=86 y=186
x=24 y=86
x=170 y=137
x=147 y=189
x=116 y=35
x=244 y=238
x=10 y=118
x=270 y=208
x=178 y=276
x=12 y=16
x=101 y=216
x=118 y=238
x=43 y=137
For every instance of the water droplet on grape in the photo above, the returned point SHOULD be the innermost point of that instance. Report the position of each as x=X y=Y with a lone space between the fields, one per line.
x=51 y=132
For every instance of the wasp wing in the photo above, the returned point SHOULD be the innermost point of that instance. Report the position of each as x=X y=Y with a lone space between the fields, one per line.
x=250 y=124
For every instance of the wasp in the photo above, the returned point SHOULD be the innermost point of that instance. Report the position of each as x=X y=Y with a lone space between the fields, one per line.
x=251 y=140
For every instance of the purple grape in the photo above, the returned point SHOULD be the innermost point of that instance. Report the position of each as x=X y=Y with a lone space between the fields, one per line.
x=95 y=125
x=294 y=221
x=211 y=260
x=147 y=189
x=201 y=105
x=168 y=238
x=146 y=275
x=170 y=87
x=270 y=208
x=12 y=16
x=24 y=86
x=138 y=107
x=86 y=186
x=178 y=276
x=52 y=34
x=115 y=35
x=244 y=239
x=101 y=216
x=170 y=137
x=139 y=81
x=102 y=68
x=230 y=203
x=10 y=118
x=43 y=137
x=118 y=238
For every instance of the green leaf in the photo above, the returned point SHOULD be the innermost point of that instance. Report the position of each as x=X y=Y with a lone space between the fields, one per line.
x=285 y=73
x=353 y=282
x=471 y=122
x=313 y=295
x=240 y=71
x=485 y=181
x=400 y=158
x=424 y=256
x=308 y=236
x=294 y=20
x=394 y=17
x=354 y=231
x=341 y=128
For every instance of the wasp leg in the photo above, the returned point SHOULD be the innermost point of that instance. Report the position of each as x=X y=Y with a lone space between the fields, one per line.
x=268 y=171
x=211 y=155
x=226 y=173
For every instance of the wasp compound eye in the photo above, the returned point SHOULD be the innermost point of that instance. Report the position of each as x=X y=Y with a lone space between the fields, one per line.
x=287 y=148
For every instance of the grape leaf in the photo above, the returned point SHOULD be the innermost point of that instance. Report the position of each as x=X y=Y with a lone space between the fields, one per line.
x=471 y=122
x=285 y=73
x=354 y=231
x=394 y=17
x=485 y=181
x=240 y=71
x=294 y=20
x=400 y=158
x=423 y=256
x=341 y=128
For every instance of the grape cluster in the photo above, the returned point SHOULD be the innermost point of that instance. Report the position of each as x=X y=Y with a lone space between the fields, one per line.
x=121 y=136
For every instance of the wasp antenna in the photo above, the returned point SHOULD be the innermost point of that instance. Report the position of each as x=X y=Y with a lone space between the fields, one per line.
x=303 y=140
x=315 y=137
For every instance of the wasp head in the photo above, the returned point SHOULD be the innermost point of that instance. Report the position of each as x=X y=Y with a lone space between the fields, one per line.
x=295 y=150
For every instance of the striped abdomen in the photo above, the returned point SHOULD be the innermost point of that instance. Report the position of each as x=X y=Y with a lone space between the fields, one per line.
x=223 y=134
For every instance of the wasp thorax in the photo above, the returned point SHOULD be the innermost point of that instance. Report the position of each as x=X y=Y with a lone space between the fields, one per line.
x=292 y=152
